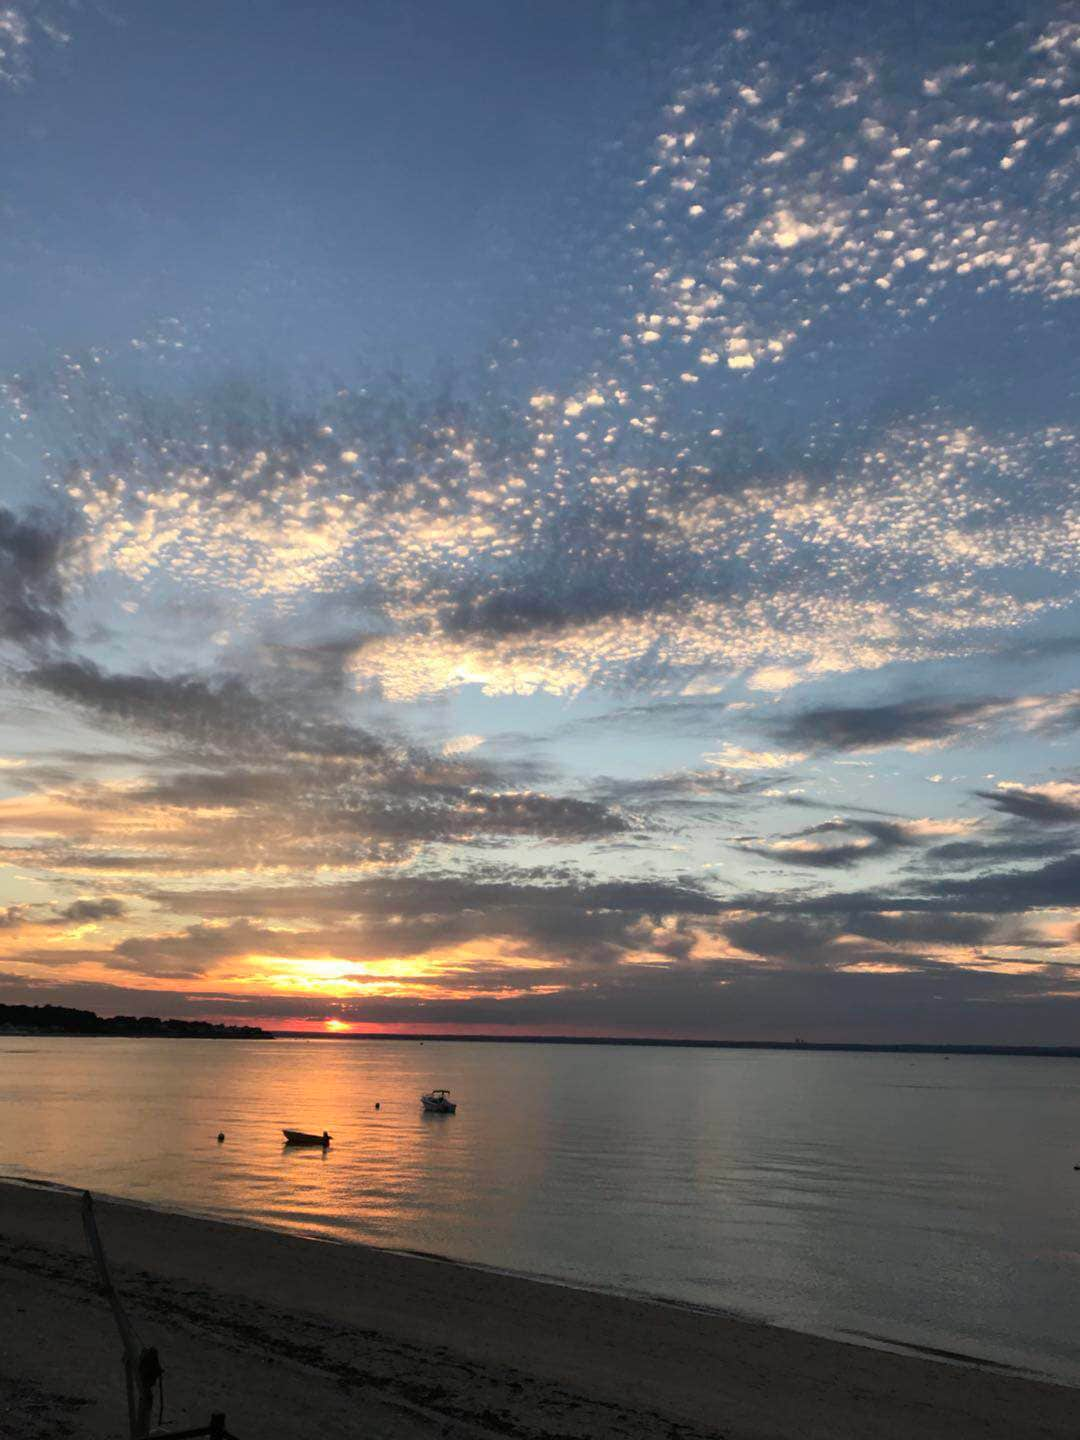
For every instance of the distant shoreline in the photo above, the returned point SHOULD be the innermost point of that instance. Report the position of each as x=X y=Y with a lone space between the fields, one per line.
x=62 y=1020
x=144 y=1028
x=1049 y=1052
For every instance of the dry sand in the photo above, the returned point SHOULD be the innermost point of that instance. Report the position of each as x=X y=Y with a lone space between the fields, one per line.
x=298 y=1338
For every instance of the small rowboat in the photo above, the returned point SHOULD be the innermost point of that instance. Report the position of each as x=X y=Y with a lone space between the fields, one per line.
x=301 y=1137
x=438 y=1103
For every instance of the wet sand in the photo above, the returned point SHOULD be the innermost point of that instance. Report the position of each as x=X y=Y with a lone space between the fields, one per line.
x=298 y=1338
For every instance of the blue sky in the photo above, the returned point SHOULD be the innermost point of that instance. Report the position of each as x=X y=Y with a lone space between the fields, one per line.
x=543 y=516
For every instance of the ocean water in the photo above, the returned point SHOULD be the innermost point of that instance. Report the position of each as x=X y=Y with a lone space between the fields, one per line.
x=918 y=1200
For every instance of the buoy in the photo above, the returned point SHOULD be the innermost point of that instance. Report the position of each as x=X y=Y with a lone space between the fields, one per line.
x=221 y=1136
x=376 y=1104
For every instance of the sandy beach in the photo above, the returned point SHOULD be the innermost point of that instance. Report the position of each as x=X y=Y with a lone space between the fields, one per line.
x=297 y=1338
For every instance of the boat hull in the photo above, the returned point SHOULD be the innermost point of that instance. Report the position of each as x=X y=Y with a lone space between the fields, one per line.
x=301 y=1137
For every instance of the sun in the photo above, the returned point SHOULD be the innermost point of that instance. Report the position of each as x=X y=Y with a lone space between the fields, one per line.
x=335 y=1027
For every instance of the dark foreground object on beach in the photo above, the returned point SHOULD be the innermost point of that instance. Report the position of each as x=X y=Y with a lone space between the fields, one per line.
x=143 y=1375
x=308 y=1339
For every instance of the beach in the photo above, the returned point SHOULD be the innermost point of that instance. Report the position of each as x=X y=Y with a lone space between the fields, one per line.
x=297 y=1337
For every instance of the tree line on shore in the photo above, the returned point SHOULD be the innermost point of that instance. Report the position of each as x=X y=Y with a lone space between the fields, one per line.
x=63 y=1020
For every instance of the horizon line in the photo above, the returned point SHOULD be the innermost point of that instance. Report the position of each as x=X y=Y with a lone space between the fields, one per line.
x=882 y=1047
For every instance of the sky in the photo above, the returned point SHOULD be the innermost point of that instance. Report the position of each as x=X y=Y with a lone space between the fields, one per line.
x=542 y=518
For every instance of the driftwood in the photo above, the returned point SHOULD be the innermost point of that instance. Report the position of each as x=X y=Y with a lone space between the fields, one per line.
x=142 y=1367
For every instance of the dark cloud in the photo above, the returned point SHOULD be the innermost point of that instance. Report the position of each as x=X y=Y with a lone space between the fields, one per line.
x=441 y=895
x=107 y=908
x=880 y=837
x=584 y=922
x=791 y=937
x=223 y=789
x=450 y=814
x=676 y=787
x=31 y=594
x=396 y=807
x=907 y=722
x=921 y=929
x=78 y=857
x=322 y=782
x=872 y=727
x=576 y=572
x=188 y=955
x=975 y=854
x=1039 y=806
x=1055 y=885
x=531 y=608
x=220 y=714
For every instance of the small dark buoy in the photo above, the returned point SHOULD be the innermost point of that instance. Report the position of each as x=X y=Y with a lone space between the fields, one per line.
x=221 y=1136
x=376 y=1104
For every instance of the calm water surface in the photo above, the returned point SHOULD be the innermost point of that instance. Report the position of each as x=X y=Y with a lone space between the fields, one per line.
x=925 y=1200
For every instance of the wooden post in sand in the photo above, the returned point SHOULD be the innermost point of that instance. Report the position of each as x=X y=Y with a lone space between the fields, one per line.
x=142 y=1369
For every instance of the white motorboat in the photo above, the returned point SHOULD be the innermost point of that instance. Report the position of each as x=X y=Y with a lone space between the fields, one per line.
x=438 y=1102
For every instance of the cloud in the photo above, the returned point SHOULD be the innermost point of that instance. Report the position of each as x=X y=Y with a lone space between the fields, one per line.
x=399 y=805
x=1055 y=885
x=190 y=954
x=186 y=955
x=835 y=844
x=831 y=185
x=735 y=757
x=1056 y=803
x=320 y=790
x=518 y=551
x=561 y=598
x=453 y=812
x=220 y=713
x=679 y=787
x=461 y=744
x=922 y=929
x=31 y=592
x=984 y=854
x=84 y=911
x=305 y=817
x=447 y=894
x=15 y=36
x=785 y=938
x=24 y=29
x=919 y=723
